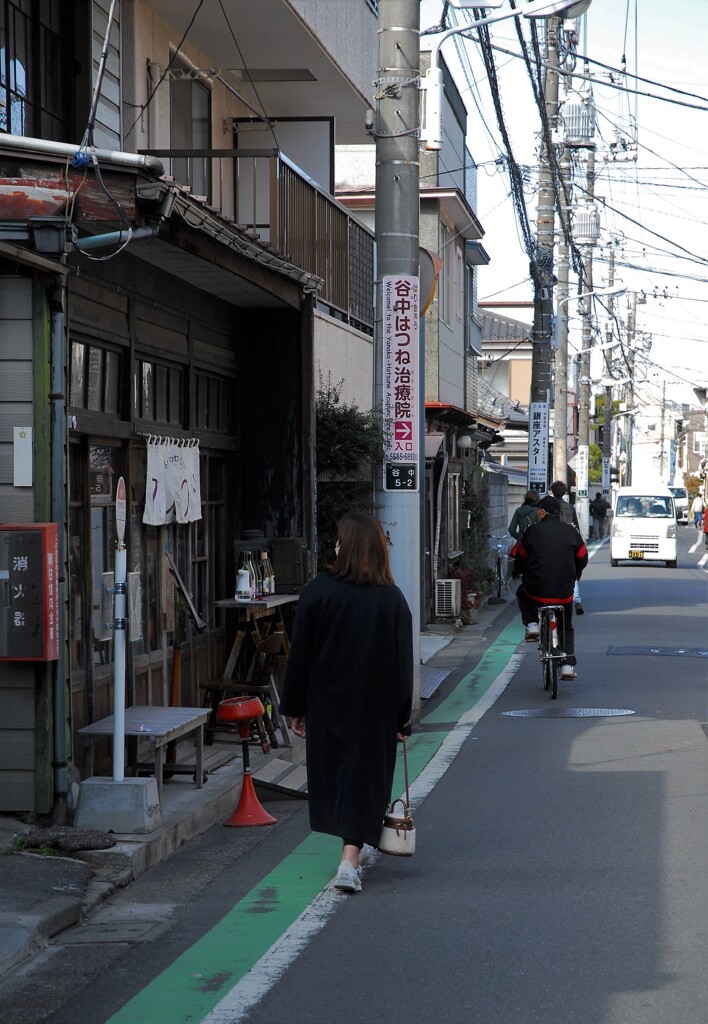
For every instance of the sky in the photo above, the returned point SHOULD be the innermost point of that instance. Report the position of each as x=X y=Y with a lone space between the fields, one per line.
x=655 y=210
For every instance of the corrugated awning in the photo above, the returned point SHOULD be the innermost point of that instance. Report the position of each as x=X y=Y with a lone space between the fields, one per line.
x=433 y=442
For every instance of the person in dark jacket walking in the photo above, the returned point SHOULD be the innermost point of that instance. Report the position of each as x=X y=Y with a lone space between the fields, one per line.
x=524 y=515
x=348 y=688
x=550 y=557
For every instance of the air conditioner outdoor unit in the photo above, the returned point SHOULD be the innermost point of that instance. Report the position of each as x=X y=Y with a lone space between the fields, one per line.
x=448 y=596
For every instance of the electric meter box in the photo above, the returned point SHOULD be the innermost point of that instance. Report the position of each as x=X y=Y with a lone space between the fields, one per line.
x=29 y=592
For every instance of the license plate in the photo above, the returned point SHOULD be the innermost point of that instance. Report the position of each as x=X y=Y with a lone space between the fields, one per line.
x=636 y=554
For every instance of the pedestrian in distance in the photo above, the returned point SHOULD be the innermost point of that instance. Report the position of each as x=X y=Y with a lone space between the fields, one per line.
x=525 y=514
x=348 y=688
x=550 y=557
x=697 y=509
x=598 y=510
x=568 y=515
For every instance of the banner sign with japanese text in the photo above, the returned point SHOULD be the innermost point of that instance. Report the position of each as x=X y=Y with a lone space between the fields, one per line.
x=581 y=479
x=538 y=447
x=401 y=382
x=29 y=592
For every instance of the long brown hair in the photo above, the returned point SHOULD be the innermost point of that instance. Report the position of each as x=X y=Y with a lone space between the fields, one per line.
x=363 y=552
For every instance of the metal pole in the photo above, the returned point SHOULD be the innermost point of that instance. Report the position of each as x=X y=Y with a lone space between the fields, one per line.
x=397 y=219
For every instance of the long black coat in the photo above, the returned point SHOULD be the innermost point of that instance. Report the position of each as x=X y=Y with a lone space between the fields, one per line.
x=350 y=672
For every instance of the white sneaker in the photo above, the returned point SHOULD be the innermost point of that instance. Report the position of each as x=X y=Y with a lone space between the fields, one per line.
x=568 y=672
x=347 y=879
x=365 y=855
x=532 y=631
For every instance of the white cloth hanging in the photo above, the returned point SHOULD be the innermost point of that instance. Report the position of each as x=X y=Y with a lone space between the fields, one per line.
x=172 y=487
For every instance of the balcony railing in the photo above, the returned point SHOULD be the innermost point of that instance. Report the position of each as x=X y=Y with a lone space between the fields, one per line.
x=263 y=192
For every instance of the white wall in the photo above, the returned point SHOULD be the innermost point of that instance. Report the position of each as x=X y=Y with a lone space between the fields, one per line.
x=342 y=353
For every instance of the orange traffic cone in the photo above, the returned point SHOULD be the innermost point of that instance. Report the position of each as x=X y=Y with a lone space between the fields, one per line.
x=242 y=711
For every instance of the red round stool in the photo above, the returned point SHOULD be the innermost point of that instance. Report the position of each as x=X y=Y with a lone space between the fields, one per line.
x=241 y=711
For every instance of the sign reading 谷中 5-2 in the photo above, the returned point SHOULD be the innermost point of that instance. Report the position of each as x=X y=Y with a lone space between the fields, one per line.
x=400 y=381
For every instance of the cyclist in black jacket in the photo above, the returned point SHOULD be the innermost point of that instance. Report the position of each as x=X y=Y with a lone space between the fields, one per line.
x=550 y=557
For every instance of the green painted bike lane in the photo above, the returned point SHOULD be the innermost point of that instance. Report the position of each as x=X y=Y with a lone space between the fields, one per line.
x=201 y=976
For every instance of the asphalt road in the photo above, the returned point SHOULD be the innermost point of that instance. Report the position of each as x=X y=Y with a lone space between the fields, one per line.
x=560 y=875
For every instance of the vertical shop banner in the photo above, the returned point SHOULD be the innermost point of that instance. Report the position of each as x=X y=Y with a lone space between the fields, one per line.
x=582 y=470
x=401 y=382
x=172 y=487
x=538 y=447
x=605 y=476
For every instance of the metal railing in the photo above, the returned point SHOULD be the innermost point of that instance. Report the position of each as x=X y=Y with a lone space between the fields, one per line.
x=265 y=193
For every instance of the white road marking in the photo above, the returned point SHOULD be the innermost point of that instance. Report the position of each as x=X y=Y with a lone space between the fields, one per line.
x=236 y=1004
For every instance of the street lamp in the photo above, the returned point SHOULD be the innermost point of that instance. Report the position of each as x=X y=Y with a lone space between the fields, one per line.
x=574 y=298
x=432 y=135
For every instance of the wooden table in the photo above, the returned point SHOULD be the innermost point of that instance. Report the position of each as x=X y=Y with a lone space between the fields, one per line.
x=258 y=619
x=159 y=726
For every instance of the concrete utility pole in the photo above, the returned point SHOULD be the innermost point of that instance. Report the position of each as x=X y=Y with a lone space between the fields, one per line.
x=607 y=411
x=397 y=217
x=560 y=408
x=629 y=390
x=542 y=273
x=582 y=501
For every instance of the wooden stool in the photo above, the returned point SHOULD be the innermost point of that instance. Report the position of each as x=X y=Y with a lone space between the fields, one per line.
x=242 y=711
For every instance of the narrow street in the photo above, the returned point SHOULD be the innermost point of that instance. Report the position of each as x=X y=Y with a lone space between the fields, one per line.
x=560 y=875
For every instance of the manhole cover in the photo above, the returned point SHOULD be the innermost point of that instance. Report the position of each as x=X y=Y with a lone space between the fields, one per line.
x=568 y=713
x=665 y=652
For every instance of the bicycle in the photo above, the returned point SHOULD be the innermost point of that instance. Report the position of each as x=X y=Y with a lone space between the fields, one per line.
x=551 y=644
x=499 y=555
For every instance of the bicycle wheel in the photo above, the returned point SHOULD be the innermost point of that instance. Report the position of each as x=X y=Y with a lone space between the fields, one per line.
x=544 y=648
x=553 y=672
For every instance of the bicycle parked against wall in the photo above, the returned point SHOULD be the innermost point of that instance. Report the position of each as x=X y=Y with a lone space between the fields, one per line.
x=551 y=644
x=498 y=561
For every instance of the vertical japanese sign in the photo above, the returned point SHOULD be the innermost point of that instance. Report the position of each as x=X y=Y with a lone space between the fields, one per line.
x=538 y=447
x=401 y=382
x=605 y=475
x=582 y=470
x=29 y=592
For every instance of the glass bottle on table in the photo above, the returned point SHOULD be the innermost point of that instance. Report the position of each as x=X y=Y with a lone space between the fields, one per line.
x=265 y=574
x=254 y=576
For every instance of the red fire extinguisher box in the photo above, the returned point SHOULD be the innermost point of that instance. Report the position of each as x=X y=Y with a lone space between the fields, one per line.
x=29 y=592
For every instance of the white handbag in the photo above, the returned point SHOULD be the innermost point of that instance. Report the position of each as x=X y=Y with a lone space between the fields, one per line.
x=398 y=832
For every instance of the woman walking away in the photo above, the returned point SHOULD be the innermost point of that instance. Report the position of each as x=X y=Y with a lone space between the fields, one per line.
x=349 y=689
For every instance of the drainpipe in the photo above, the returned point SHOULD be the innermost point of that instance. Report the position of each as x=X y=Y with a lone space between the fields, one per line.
x=114 y=238
x=438 y=518
x=57 y=400
x=149 y=164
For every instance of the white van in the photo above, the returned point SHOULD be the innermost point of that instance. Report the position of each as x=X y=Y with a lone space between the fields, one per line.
x=644 y=526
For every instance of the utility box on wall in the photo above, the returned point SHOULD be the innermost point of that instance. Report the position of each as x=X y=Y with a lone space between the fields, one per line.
x=29 y=592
